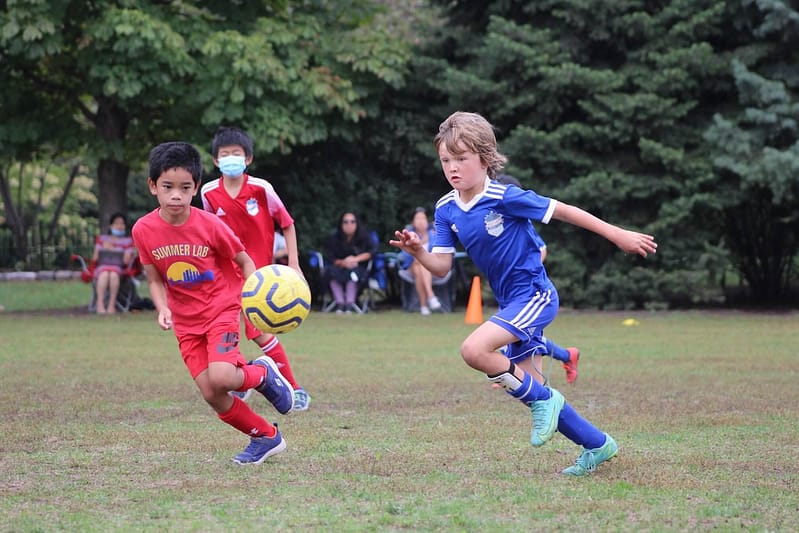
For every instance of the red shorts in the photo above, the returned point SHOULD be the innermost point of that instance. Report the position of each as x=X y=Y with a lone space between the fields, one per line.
x=219 y=344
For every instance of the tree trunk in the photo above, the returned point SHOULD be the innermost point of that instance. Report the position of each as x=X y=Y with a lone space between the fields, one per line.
x=112 y=184
x=14 y=220
x=763 y=246
x=112 y=174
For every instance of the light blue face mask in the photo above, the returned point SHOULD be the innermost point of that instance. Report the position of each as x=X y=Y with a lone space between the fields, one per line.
x=232 y=166
x=117 y=232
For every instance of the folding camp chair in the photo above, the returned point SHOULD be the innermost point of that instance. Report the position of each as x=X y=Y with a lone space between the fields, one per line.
x=443 y=288
x=128 y=284
x=374 y=287
x=363 y=300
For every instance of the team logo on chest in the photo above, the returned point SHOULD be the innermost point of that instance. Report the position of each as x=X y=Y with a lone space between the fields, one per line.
x=494 y=223
x=252 y=206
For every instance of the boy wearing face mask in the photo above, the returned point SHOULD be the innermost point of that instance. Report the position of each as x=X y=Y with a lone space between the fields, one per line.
x=251 y=208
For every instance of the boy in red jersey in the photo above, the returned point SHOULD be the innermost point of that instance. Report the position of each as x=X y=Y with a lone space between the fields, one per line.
x=192 y=263
x=251 y=208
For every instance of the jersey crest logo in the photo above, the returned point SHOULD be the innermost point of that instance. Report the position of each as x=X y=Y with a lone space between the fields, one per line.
x=495 y=224
x=252 y=206
x=220 y=212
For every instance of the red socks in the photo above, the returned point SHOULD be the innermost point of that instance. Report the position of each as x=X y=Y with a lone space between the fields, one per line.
x=241 y=417
x=253 y=375
x=275 y=350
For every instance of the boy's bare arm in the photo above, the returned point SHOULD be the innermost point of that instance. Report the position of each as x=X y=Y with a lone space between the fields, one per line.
x=158 y=295
x=293 y=255
x=630 y=241
x=245 y=263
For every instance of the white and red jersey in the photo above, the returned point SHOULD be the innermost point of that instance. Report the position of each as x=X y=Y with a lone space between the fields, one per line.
x=251 y=215
x=195 y=260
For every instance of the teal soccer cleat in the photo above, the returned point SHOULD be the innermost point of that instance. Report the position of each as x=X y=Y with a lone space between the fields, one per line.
x=301 y=399
x=545 y=418
x=590 y=459
x=243 y=396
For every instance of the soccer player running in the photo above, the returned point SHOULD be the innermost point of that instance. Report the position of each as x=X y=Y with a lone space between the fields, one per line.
x=492 y=222
x=191 y=260
x=251 y=207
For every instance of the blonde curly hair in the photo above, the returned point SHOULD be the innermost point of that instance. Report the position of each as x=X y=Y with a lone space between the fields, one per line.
x=469 y=132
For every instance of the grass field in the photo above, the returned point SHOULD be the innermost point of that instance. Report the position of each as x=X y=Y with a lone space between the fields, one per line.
x=102 y=430
x=39 y=295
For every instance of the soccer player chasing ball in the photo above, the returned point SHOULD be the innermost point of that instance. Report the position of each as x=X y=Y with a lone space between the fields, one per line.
x=492 y=222
x=191 y=259
x=251 y=207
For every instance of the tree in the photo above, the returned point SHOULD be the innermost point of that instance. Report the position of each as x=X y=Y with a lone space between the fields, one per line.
x=36 y=199
x=383 y=167
x=756 y=157
x=600 y=104
x=119 y=77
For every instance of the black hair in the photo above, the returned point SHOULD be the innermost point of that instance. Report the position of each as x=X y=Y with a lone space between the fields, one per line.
x=229 y=136
x=176 y=154
x=360 y=230
x=117 y=215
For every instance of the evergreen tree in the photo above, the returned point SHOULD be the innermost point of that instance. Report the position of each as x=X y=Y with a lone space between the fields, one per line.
x=756 y=153
x=600 y=104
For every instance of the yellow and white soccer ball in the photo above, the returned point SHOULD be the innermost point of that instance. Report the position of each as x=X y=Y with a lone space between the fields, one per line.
x=275 y=299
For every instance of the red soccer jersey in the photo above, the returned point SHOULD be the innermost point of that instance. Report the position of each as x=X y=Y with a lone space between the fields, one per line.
x=195 y=261
x=251 y=215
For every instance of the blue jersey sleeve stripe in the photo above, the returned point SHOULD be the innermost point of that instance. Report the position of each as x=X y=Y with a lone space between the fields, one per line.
x=495 y=195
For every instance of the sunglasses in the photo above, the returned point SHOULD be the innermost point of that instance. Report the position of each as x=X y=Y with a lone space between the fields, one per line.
x=348 y=221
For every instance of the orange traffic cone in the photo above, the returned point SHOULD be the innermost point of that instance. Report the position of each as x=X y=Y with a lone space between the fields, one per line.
x=474 y=308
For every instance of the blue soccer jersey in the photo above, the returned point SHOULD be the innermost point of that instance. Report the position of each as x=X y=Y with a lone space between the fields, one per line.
x=496 y=231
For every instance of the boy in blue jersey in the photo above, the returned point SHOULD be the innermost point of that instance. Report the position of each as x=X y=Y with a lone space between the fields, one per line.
x=492 y=221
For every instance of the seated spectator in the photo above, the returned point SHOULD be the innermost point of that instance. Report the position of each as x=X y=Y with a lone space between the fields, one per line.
x=422 y=278
x=113 y=254
x=347 y=254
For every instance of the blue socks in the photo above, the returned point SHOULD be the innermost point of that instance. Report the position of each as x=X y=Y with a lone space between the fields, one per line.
x=573 y=426
x=530 y=391
x=579 y=430
x=556 y=352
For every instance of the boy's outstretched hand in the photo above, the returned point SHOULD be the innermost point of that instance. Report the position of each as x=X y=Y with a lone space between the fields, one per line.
x=407 y=241
x=633 y=242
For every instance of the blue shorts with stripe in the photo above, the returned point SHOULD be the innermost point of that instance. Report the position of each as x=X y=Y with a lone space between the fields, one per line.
x=526 y=318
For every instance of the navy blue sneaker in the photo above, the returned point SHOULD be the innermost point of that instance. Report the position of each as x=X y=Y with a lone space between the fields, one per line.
x=275 y=388
x=260 y=448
